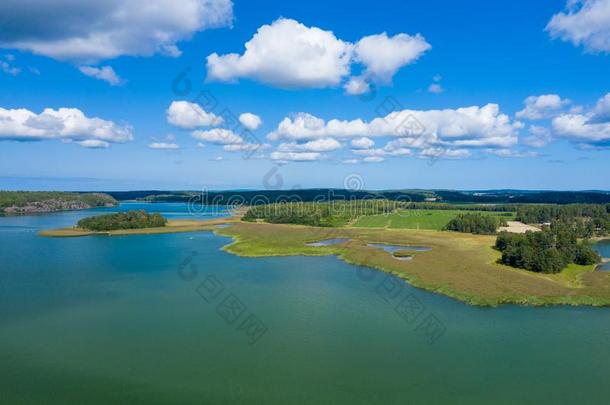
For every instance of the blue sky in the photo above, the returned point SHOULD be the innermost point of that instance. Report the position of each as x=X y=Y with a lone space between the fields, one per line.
x=465 y=81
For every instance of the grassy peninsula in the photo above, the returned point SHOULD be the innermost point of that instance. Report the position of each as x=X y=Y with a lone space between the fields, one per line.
x=461 y=266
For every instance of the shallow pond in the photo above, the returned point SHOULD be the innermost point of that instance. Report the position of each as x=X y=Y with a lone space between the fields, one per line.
x=327 y=242
x=396 y=248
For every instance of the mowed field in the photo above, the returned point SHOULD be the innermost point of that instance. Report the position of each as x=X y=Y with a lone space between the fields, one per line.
x=419 y=219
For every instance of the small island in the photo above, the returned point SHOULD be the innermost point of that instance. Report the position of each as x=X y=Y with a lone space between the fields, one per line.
x=122 y=220
x=134 y=223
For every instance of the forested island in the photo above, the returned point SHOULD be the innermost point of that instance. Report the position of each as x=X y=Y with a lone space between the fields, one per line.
x=122 y=220
x=33 y=202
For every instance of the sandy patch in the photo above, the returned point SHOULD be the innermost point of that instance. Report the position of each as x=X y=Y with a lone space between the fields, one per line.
x=518 y=227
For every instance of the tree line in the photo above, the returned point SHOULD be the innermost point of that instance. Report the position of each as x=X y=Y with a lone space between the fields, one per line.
x=587 y=220
x=475 y=223
x=334 y=213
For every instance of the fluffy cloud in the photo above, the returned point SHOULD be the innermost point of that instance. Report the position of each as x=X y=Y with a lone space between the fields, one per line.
x=389 y=150
x=509 y=153
x=94 y=144
x=588 y=129
x=539 y=136
x=105 y=73
x=250 y=121
x=88 y=31
x=585 y=22
x=218 y=136
x=543 y=106
x=579 y=129
x=356 y=86
x=601 y=112
x=187 y=115
x=373 y=159
x=246 y=147
x=288 y=54
x=383 y=56
x=438 y=153
x=463 y=127
x=296 y=156
x=164 y=145
x=318 y=145
x=66 y=124
x=362 y=143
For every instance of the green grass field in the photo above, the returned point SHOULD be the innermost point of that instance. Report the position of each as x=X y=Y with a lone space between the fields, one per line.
x=418 y=219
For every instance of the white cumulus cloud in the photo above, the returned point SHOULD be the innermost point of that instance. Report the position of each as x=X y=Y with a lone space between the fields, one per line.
x=218 y=136
x=66 y=124
x=246 y=147
x=584 y=22
x=105 y=73
x=383 y=56
x=89 y=31
x=356 y=86
x=164 y=145
x=187 y=115
x=588 y=129
x=362 y=143
x=296 y=156
x=250 y=121
x=288 y=54
x=462 y=127
x=543 y=106
x=317 y=145
x=539 y=136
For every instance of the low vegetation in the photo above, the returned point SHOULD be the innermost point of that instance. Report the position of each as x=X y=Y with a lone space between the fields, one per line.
x=122 y=220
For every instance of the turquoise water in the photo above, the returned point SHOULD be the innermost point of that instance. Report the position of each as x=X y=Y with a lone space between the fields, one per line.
x=139 y=319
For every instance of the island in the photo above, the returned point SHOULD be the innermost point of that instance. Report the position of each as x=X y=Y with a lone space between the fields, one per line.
x=445 y=248
x=35 y=202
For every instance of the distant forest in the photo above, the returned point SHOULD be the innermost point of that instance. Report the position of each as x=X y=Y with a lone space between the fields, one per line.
x=41 y=201
x=258 y=197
